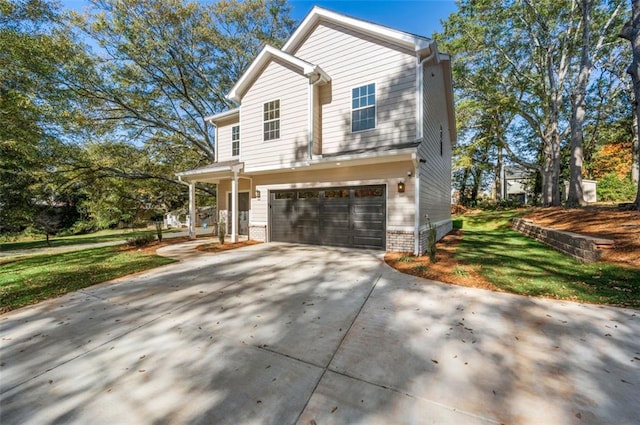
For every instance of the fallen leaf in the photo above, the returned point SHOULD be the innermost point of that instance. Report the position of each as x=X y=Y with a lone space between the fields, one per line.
x=334 y=409
x=435 y=361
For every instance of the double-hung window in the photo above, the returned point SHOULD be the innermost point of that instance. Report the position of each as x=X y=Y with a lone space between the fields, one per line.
x=271 y=120
x=363 y=107
x=235 y=140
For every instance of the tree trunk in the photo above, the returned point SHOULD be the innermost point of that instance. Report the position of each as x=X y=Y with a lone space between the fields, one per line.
x=576 y=196
x=631 y=32
x=635 y=152
x=499 y=176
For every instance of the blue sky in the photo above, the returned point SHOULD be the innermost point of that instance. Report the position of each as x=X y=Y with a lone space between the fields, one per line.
x=420 y=17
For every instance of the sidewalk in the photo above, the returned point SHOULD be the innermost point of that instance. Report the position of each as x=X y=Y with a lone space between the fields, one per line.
x=78 y=247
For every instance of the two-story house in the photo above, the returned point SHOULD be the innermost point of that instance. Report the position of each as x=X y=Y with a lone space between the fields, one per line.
x=341 y=137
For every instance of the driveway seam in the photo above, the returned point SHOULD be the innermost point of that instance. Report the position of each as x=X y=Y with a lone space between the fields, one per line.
x=326 y=368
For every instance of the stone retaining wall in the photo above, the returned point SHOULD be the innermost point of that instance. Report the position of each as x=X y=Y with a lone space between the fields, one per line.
x=584 y=248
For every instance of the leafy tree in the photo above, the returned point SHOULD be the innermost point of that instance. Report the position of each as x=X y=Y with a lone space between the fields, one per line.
x=162 y=66
x=631 y=32
x=521 y=68
x=33 y=105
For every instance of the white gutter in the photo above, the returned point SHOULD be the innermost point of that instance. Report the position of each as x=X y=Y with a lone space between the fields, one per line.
x=416 y=224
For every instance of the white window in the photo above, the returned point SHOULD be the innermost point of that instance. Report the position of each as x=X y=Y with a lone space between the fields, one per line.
x=363 y=108
x=272 y=120
x=235 y=140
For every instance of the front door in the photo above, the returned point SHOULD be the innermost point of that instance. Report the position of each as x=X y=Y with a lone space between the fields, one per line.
x=243 y=213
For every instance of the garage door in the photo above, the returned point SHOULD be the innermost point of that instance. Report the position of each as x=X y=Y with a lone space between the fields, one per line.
x=341 y=216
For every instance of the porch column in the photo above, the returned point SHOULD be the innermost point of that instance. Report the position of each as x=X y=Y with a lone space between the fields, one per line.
x=192 y=210
x=234 y=207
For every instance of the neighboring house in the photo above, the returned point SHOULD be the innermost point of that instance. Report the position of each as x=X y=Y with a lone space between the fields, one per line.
x=180 y=217
x=342 y=137
x=589 y=191
x=518 y=184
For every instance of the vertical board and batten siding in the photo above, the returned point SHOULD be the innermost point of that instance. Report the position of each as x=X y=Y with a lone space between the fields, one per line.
x=223 y=143
x=435 y=174
x=352 y=60
x=277 y=81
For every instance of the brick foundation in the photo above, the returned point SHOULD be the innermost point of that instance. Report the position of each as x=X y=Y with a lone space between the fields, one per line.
x=584 y=248
x=403 y=241
x=399 y=241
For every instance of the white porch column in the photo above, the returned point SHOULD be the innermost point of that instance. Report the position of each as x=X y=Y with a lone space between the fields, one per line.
x=234 y=207
x=192 y=210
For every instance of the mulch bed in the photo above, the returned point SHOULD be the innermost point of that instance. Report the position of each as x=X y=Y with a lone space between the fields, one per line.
x=445 y=269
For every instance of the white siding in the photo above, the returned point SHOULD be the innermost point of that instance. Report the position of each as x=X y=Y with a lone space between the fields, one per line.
x=435 y=174
x=223 y=144
x=277 y=81
x=353 y=60
x=400 y=206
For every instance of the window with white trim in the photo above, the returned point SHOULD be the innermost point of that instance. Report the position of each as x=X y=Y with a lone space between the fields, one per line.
x=235 y=140
x=271 y=120
x=363 y=108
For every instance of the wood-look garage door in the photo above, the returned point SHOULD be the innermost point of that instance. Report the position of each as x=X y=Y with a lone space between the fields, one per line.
x=342 y=216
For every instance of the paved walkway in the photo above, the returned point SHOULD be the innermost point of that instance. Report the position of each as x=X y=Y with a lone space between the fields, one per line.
x=284 y=334
x=81 y=246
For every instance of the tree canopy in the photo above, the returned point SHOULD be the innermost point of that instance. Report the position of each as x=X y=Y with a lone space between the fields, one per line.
x=110 y=103
x=538 y=80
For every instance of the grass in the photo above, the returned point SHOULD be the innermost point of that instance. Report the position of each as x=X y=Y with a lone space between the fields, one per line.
x=29 y=280
x=102 y=236
x=407 y=259
x=521 y=265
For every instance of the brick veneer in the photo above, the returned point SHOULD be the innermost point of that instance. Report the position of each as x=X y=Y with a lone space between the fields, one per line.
x=399 y=241
x=582 y=247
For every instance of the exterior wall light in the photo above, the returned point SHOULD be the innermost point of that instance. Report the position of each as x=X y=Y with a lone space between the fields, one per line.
x=401 y=187
x=257 y=194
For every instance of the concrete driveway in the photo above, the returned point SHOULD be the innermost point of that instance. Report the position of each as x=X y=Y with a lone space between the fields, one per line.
x=284 y=334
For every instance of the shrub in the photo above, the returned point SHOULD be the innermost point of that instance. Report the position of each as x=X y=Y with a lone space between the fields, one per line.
x=459 y=271
x=221 y=232
x=406 y=259
x=140 y=241
x=421 y=268
x=431 y=241
x=611 y=188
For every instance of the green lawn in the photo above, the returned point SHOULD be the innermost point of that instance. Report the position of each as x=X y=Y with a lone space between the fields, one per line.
x=522 y=265
x=29 y=280
x=102 y=236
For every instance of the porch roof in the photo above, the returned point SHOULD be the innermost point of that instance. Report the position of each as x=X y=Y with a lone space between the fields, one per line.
x=212 y=172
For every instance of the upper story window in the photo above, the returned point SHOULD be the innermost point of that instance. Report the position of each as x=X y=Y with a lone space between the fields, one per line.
x=363 y=108
x=235 y=140
x=272 y=120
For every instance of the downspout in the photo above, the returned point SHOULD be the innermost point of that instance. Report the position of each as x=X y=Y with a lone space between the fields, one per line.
x=416 y=225
x=433 y=51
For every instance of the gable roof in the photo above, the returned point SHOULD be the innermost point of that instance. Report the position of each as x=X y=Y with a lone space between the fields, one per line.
x=317 y=14
x=267 y=54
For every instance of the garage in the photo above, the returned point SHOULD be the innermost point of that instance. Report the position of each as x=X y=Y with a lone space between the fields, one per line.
x=339 y=216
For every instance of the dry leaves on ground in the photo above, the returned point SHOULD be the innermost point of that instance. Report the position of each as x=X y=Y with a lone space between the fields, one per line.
x=600 y=221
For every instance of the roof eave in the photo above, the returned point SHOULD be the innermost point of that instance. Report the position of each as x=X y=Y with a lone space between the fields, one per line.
x=317 y=13
x=265 y=55
x=222 y=115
